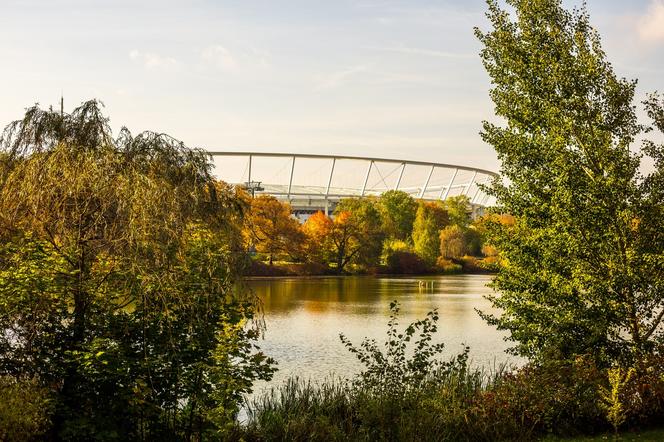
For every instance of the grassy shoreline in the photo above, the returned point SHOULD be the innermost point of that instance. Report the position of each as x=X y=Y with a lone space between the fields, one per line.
x=471 y=266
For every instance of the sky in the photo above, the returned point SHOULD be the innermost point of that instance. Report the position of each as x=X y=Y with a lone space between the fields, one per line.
x=377 y=78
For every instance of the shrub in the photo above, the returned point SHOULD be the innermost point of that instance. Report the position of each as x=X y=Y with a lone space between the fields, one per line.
x=392 y=246
x=411 y=394
x=391 y=371
x=641 y=394
x=448 y=266
x=407 y=263
x=471 y=264
x=25 y=409
x=560 y=397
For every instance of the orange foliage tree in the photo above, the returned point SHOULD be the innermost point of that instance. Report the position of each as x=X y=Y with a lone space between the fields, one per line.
x=352 y=236
x=270 y=228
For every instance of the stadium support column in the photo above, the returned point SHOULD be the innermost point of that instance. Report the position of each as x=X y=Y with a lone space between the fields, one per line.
x=478 y=191
x=403 y=167
x=426 y=183
x=249 y=179
x=470 y=183
x=366 y=179
x=290 y=180
x=327 y=190
x=449 y=186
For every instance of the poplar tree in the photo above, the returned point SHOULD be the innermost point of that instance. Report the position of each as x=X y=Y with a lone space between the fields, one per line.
x=430 y=219
x=584 y=261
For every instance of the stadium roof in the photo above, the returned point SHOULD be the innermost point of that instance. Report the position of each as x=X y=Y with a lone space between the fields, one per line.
x=293 y=176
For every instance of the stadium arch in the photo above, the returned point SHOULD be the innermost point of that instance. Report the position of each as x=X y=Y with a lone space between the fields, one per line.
x=311 y=182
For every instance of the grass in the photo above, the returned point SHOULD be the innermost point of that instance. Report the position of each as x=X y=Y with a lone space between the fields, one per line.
x=654 y=435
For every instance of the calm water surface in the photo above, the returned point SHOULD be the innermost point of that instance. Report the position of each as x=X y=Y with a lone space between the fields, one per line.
x=305 y=316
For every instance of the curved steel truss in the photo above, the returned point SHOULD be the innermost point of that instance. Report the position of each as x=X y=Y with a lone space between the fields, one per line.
x=318 y=181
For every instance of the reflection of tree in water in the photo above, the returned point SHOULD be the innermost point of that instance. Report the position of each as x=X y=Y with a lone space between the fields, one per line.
x=305 y=316
x=364 y=294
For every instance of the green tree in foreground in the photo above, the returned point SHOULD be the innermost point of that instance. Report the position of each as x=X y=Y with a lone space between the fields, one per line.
x=118 y=280
x=584 y=262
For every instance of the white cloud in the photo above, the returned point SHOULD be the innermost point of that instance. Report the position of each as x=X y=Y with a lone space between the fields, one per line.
x=151 y=60
x=651 y=25
x=219 y=57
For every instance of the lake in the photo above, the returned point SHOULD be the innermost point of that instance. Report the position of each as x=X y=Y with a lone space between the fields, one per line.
x=304 y=317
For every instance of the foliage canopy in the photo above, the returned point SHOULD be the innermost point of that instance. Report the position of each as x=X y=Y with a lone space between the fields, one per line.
x=118 y=279
x=584 y=260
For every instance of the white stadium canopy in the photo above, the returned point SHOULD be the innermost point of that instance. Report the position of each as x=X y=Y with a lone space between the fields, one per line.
x=318 y=182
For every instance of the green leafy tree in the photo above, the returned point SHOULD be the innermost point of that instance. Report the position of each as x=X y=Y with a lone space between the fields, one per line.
x=429 y=220
x=458 y=211
x=397 y=211
x=118 y=280
x=356 y=236
x=583 y=269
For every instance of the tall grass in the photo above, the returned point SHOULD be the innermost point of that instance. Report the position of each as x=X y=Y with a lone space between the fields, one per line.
x=339 y=410
x=406 y=393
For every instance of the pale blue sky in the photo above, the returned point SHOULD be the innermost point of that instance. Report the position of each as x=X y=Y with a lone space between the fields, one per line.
x=360 y=77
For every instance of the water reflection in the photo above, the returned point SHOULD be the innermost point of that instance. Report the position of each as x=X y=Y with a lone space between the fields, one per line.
x=305 y=316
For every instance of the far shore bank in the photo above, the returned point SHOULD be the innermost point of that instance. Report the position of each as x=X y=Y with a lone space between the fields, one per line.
x=261 y=270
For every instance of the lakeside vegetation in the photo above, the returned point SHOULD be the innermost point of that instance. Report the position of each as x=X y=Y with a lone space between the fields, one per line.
x=580 y=288
x=389 y=234
x=124 y=315
x=405 y=392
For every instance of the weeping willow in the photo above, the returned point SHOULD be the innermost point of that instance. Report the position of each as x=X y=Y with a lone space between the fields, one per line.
x=119 y=287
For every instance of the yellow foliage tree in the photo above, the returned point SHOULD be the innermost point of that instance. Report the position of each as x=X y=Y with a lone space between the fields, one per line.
x=270 y=228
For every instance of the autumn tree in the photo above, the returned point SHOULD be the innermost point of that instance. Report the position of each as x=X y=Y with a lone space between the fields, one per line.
x=429 y=220
x=397 y=211
x=119 y=289
x=357 y=234
x=583 y=269
x=353 y=236
x=270 y=228
x=317 y=230
x=453 y=242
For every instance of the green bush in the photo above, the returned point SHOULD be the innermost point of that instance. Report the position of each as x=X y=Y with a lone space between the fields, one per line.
x=472 y=264
x=391 y=399
x=25 y=409
x=559 y=397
